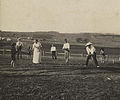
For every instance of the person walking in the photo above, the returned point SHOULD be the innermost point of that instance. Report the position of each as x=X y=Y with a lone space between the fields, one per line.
x=91 y=51
x=19 y=46
x=13 y=54
x=66 y=48
x=37 y=52
x=53 y=52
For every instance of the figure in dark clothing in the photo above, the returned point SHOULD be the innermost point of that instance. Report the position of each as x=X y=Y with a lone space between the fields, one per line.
x=102 y=53
x=29 y=51
x=13 y=54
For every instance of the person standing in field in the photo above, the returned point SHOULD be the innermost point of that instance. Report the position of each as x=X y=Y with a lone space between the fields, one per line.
x=13 y=54
x=91 y=51
x=54 y=52
x=29 y=52
x=66 y=48
x=37 y=52
x=102 y=53
x=19 y=46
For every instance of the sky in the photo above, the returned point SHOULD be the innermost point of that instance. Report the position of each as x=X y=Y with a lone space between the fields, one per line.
x=70 y=16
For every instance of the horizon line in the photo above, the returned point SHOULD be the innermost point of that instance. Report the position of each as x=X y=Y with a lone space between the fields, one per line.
x=60 y=32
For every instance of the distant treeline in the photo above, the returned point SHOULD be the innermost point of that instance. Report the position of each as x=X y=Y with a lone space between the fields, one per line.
x=99 y=39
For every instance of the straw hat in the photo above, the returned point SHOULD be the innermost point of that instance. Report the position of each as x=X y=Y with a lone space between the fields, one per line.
x=89 y=43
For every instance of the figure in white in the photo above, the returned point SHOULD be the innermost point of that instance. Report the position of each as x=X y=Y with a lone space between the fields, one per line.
x=37 y=52
x=66 y=48
x=91 y=51
x=54 y=53
x=19 y=46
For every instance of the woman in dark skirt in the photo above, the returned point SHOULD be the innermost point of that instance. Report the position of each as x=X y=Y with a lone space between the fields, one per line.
x=13 y=54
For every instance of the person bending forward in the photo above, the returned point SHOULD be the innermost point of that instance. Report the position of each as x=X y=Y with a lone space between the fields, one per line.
x=91 y=51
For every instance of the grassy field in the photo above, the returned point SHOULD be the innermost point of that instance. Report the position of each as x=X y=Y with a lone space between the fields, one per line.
x=49 y=81
x=58 y=81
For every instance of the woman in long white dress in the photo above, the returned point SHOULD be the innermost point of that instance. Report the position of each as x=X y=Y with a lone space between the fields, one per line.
x=37 y=52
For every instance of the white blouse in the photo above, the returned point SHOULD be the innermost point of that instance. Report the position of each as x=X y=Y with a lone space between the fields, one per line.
x=37 y=46
x=53 y=48
x=90 y=50
x=66 y=46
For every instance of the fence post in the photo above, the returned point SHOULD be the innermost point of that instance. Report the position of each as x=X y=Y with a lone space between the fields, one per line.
x=4 y=51
x=113 y=61
x=43 y=53
x=107 y=57
x=82 y=55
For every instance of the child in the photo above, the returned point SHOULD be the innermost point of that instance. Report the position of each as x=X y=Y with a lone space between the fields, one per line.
x=29 y=52
x=54 y=54
x=13 y=54
x=102 y=53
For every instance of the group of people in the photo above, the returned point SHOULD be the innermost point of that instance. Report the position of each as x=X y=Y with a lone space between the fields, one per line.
x=37 y=48
x=37 y=52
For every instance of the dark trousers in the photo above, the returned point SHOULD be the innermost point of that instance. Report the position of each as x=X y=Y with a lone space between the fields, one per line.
x=54 y=55
x=94 y=58
x=13 y=56
x=19 y=54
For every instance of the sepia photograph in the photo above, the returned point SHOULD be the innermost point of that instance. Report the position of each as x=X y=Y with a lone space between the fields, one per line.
x=59 y=50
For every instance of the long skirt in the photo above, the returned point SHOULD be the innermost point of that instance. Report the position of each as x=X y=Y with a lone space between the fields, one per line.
x=36 y=57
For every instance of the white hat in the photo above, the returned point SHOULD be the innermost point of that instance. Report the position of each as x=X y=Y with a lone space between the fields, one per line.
x=89 y=43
